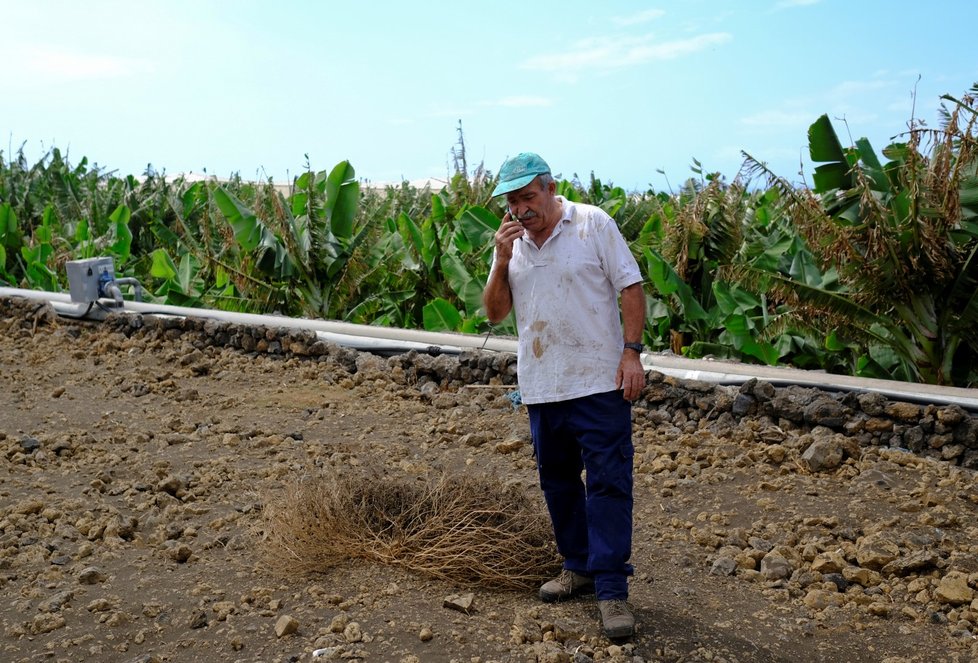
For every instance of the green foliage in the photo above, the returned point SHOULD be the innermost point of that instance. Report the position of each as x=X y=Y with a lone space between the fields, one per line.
x=873 y=271
x=893 y=270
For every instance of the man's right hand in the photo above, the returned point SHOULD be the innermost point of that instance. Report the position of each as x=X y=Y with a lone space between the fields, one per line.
x=509 y=231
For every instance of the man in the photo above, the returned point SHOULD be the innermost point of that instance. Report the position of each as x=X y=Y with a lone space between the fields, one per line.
x=562 y=266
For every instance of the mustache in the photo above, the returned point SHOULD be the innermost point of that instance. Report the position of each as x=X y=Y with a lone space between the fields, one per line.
x=528 y=215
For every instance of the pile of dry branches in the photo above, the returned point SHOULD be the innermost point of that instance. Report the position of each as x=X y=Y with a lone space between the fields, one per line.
x=465 y=529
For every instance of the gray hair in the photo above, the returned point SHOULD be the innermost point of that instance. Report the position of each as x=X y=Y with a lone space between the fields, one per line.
x=545 y=180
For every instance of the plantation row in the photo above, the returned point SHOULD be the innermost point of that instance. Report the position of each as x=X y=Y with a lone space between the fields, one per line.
x=871 y=271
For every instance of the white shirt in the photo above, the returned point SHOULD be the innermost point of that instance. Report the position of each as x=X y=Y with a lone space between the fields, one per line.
x=565 y=296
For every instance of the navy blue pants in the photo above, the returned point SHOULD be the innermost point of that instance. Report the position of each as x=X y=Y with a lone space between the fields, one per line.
x=592 y=518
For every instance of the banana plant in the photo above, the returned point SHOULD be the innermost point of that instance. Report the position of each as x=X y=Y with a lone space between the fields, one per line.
x=117 y=239
x=38 y=252
x=449 y=258
x=903 y=238
x=11 y=240
x=731 y=326
x=306 y=246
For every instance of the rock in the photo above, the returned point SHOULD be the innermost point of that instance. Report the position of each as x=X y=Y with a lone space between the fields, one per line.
x=861 y=576
x=509 y=445
x=334 y=653
x=425 y=635
x=338 y=623
x=903 y=411
x=723 y=566
x=742 y=405
x=548 y=652
x=951 y=451
x=825 y=411
x=963 y=562
x=837 y=579
x=460 y=602
x=875 y=552
x=223 y=609
x=775 y=567
x=763 y=391
x=99 y=605
x=757 y=543
x=776 y=453
x=46 y=622
x=872 y=403
x=91 y=575
x=916 y=561
x=951 y=415
x=29 y=445
x=56 y=602
x=878 y=609
x=352 y=632
x=172 y=485
x=198 y=620
x=822 y=455
x=966 y=433
x=820 y=599
x=953 y=589
x=525 y=629
x=475 y=439
x=829 y=562
x=179 y=553
x=286 y=625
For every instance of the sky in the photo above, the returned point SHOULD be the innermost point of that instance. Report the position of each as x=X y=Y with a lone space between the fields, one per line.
x=631 y=92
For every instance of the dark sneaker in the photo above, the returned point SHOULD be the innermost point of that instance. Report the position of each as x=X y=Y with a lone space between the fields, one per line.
x=616 y=619
x=566 y=585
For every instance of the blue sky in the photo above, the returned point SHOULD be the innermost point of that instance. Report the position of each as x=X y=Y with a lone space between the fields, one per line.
x=618 y=88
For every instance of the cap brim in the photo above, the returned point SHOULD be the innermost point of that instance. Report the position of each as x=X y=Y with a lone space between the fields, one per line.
x=513 y=185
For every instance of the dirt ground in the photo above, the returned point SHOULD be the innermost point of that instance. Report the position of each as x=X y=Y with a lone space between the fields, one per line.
x=133 y=474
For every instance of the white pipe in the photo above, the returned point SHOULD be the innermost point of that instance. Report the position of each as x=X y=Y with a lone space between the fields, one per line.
x=368 y=336
x=420 y=339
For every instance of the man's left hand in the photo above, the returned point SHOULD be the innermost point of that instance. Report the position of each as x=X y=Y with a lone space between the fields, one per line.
x=631 y=375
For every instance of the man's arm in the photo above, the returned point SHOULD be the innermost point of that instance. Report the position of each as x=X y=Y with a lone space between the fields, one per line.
x=631 y=373
x=497 y=297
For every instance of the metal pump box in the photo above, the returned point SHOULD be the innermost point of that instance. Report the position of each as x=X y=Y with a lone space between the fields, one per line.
x=86 y=278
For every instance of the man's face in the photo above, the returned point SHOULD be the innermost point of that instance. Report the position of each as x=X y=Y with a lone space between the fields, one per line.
x=532 y=204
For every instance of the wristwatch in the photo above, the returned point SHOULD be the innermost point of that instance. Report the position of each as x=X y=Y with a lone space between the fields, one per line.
x=637 y=347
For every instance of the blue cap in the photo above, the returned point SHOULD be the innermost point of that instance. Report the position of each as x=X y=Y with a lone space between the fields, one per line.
x=519 y=171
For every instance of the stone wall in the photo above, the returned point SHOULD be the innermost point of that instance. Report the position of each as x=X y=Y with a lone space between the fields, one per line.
x=947 y=432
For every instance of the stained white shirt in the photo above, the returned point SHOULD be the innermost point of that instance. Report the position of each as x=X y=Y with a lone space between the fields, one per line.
x=565 y=298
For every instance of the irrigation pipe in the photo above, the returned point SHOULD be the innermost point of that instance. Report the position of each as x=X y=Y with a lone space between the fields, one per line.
x=387 y=340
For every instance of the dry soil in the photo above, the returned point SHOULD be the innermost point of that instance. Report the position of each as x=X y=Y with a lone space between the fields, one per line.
x=133 y=474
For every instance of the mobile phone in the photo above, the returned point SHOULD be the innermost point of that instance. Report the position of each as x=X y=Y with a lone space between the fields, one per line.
x=513 y=216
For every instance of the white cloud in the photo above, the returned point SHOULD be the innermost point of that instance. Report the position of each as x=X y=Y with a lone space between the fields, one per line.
x=610 y=53
x=638 y=18
x=778 y=119
x=456 y=112
x=522 y=102
x=847 y=88
x=788 y=4
x=65 y=65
